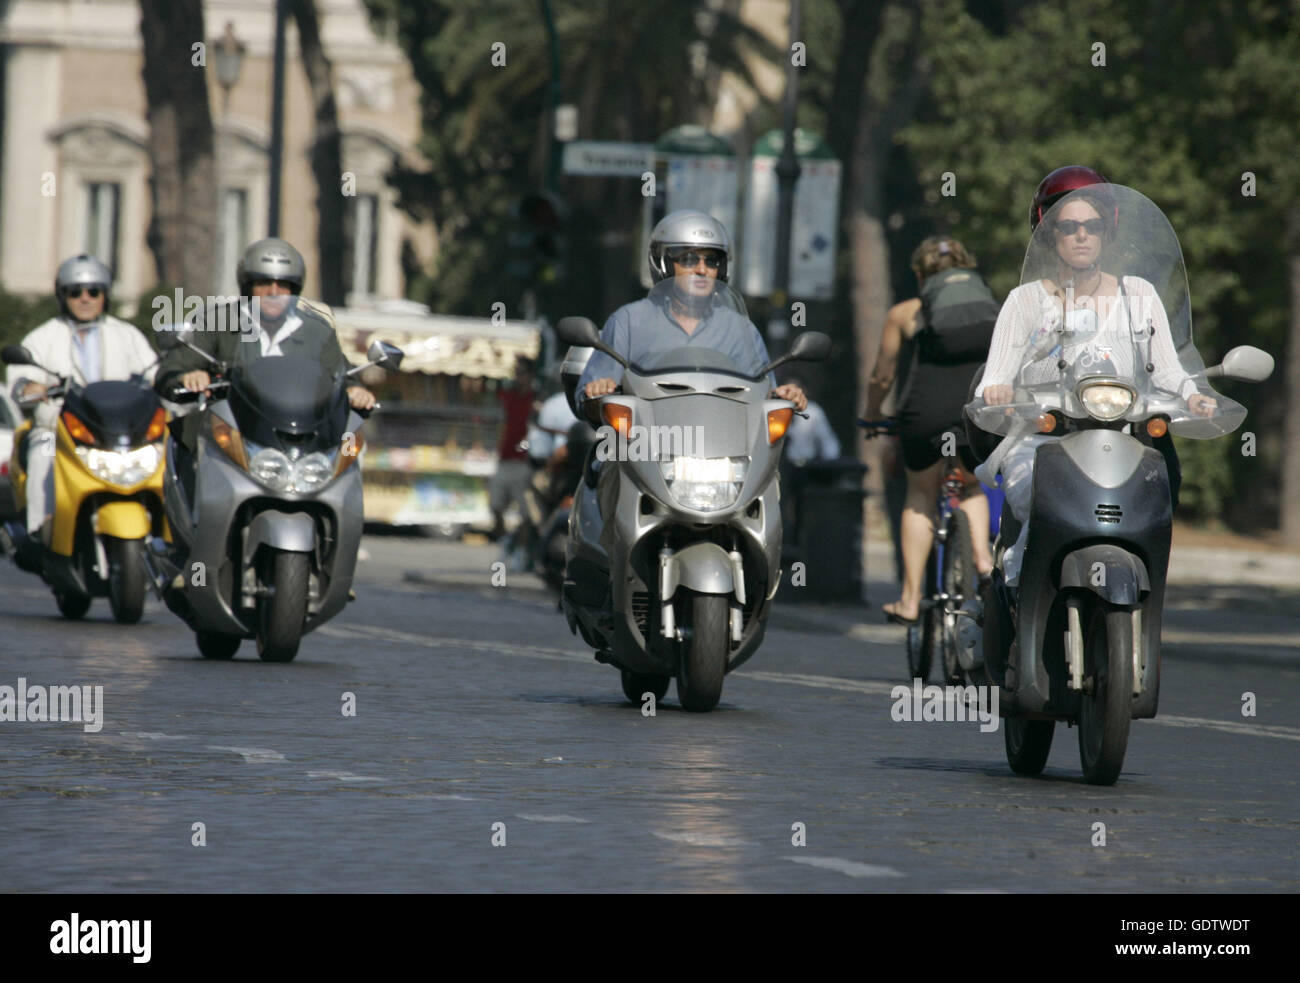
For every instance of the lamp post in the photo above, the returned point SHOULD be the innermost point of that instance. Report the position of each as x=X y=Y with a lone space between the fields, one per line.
x=230 y=59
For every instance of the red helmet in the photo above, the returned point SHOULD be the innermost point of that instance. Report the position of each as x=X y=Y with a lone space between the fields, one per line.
x=1060 y=183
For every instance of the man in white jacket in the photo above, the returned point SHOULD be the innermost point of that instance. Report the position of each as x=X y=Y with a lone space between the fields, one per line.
x=83 y=344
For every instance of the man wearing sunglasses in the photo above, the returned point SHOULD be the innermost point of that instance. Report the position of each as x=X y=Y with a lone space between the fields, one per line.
x=82 y=343
x=694 y=246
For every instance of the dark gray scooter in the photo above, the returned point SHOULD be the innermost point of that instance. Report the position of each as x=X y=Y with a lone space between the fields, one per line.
x=682 y=582
x=1079 y=640
x=265 y=542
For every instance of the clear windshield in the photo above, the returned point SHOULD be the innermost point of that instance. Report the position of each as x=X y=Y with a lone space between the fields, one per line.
x=695 y=298
x=1102 y=302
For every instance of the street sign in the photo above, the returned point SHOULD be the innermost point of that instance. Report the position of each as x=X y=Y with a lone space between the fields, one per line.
x=816 y=219
x=608 y=158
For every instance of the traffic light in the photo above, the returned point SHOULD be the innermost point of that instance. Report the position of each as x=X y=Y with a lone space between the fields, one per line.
x=537 y=240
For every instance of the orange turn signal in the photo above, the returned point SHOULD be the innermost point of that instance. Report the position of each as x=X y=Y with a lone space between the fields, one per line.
x=778 y=422
x=227 y=438
x=349 y=451
x=1157 y=427
x=157 y=426
x=77 y=430
x=619 y=417
x=1046 y=423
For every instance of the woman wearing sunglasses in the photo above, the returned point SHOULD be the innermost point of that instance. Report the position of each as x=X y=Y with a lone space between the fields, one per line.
x=1080 y=318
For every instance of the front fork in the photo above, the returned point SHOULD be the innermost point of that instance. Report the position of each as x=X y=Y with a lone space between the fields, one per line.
x=668 y=588
x=1074 y=644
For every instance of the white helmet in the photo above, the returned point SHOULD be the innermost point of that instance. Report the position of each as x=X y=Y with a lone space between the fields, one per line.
x=684 y=229
x=83 y=270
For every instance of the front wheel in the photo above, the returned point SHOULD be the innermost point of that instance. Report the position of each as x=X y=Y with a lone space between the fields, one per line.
x=126 y=582
x=1106 y=704
x=282 y=612
x=960 y=583
x=704 y=656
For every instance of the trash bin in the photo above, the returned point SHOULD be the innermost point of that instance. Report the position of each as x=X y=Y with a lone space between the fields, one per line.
x=827 y=538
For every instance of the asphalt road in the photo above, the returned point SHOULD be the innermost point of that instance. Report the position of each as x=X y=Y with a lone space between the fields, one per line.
x=479 y=717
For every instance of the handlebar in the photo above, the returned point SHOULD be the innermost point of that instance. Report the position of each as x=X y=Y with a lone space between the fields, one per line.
x=876 y=428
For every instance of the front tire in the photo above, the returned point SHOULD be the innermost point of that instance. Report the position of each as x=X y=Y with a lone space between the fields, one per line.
x=704 y=656
x=126 y=581
x=1106 y=705
x=282 y=613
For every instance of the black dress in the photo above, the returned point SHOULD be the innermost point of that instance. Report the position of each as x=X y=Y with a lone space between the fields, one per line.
x=931 y=397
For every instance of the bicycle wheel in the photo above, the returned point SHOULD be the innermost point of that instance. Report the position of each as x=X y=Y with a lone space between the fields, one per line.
x=960 y=582
x=923 y=637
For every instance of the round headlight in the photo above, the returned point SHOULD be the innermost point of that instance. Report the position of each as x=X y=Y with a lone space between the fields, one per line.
x=1105 y=400
x=312 y=472
x=272 y=468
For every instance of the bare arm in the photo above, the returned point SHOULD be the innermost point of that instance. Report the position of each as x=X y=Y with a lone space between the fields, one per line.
x=899 y=324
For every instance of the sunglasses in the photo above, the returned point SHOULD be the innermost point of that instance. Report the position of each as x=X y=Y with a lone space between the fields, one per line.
x=1068 y=226
x=690 y=260
x=92 y=292
x=267 y=283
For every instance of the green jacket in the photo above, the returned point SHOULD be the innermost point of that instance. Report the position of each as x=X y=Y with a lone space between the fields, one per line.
x=234 y=340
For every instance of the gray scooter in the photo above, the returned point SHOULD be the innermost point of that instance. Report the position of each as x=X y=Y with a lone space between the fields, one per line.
x=265 y=542
x=681 y=581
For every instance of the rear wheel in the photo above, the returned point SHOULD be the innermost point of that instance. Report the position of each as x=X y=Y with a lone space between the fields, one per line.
x=1106 y=705
x=281 y=614
x=959 y=583
x=637 y=684
x=215 y=645
x=72 y=605
x=1028 y=743
x=126 y=581
x=704 y=656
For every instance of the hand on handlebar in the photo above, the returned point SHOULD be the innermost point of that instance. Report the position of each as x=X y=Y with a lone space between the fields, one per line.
x=197 y=381
x=997 y=395
x=793 y=393
x=1201 y=405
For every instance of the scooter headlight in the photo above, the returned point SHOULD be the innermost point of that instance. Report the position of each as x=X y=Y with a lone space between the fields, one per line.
x=706 y=484
x=272 y=468
x=312 y=472
x=1105 y=401
x=125 y=468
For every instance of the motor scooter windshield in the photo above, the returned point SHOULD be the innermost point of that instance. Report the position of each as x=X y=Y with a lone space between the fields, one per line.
x=285 y=394
x=1101 y=324
x=722 y=319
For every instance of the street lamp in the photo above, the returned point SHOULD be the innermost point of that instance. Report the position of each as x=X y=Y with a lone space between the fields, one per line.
x=230 y=59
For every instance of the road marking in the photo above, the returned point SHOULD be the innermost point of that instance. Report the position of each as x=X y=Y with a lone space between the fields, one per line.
x=704 y=839
x=1231 y=727
x=343 y=776
x=252 y=755
x=535 y=818
x=850 y=867
x=1244 y=639
x=148 y=735
x=868 y=687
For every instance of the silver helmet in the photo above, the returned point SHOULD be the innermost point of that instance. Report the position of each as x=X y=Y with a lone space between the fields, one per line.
x=83 y=270
x=270 y=259
x=683 y=229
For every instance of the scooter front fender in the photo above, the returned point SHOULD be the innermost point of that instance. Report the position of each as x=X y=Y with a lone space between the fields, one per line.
x=1109 y=571
x=125 y=520
x=293 y=532
x=702 y=567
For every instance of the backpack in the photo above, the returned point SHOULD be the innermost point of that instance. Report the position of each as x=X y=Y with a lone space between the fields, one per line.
x=958 y=313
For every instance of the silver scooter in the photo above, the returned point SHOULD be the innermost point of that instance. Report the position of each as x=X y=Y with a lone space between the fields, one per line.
x=681 y=580
x=267 y=522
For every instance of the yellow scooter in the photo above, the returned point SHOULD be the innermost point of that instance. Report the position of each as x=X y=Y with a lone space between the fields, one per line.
x=108 y=486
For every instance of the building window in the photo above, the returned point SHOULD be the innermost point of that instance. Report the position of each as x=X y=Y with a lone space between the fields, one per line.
x=102 y=211
x=363 y=221
x=232 y=234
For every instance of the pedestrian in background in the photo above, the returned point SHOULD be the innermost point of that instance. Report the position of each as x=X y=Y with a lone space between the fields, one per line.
x=513 y=467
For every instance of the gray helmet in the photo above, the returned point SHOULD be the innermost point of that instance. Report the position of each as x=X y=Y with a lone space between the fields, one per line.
x=270 y=259
x=682 y=229
x=81 y=271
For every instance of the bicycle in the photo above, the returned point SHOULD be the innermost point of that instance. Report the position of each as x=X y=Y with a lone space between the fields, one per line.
x=951 y=591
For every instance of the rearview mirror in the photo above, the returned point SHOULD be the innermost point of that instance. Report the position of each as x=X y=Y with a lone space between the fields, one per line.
x=382 y=353
x=1245 y=363
x=811 y=346
x=16 y=355
x=578 y=331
